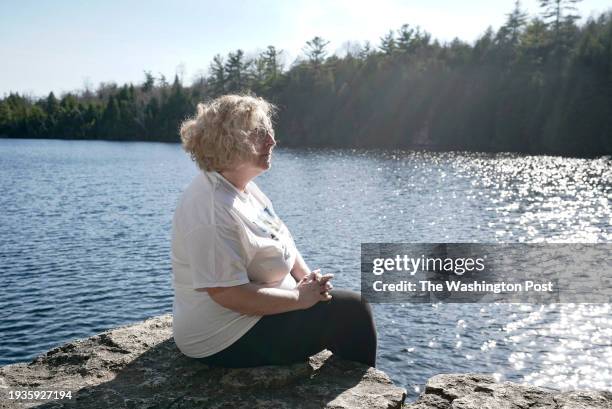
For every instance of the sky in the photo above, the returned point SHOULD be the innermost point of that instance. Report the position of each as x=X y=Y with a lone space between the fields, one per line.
x=63 y=46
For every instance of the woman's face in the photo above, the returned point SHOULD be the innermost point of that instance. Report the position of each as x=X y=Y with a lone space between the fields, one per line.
x=263 y=141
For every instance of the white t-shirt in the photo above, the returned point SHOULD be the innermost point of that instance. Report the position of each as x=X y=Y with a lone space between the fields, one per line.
x=222 y=237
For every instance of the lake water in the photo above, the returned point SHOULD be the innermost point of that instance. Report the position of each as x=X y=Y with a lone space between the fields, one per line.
x=85 y=234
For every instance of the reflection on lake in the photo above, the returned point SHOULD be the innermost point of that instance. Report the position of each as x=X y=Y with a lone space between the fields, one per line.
x=85 y=231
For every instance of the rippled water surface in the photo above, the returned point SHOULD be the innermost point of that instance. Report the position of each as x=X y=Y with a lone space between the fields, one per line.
x=85 y=230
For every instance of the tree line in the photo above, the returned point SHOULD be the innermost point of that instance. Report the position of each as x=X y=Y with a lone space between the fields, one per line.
x=539 y=84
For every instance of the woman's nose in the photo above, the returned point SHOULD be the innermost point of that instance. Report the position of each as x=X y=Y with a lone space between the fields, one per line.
x=270 y=141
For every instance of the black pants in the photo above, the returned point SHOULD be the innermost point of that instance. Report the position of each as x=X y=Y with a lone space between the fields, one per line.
x=344 y=325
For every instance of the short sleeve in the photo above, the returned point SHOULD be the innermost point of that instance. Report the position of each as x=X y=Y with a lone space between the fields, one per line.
x=217 y=257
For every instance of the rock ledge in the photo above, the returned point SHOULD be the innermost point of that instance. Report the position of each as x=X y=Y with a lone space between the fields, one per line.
x=478 y=391
x=139 y=366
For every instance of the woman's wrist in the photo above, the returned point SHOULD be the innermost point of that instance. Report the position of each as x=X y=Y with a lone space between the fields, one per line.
x=299 y=301
x=300 y=268
x=298 y=274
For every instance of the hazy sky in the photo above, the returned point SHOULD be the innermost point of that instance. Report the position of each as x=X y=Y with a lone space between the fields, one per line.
x=61 y=45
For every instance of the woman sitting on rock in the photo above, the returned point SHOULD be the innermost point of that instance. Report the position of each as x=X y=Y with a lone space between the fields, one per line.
x=243 y=294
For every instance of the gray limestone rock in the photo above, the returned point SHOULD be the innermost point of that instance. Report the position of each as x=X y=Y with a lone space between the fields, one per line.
x=139 y=366
x=478 y=391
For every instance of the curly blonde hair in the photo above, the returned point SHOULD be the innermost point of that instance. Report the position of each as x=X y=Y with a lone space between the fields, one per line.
x=216 y=138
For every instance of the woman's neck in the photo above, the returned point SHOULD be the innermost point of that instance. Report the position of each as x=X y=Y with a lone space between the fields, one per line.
x=240 y=178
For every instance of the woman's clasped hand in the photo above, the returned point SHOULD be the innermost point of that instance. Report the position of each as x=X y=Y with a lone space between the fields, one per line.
x=315 y=287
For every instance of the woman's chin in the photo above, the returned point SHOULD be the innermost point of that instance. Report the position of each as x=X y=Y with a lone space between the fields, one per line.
x=265 y=162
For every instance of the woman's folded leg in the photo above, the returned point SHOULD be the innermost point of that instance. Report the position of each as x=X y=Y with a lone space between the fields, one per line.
x=343 y=325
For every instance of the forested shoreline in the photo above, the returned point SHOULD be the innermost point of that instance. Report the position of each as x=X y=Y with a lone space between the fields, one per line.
x=540 y=84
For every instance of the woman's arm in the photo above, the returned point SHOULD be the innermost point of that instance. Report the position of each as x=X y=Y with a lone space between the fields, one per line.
x=255 y=299
x=300 y=268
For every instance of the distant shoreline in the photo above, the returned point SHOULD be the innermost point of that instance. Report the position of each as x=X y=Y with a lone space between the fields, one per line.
x=416 y=148
x=538 y=86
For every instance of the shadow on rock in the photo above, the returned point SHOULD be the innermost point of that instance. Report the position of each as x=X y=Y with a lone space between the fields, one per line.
x=139 y=366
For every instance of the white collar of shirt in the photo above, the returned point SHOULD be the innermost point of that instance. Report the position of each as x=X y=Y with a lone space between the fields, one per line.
x=218 y=178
